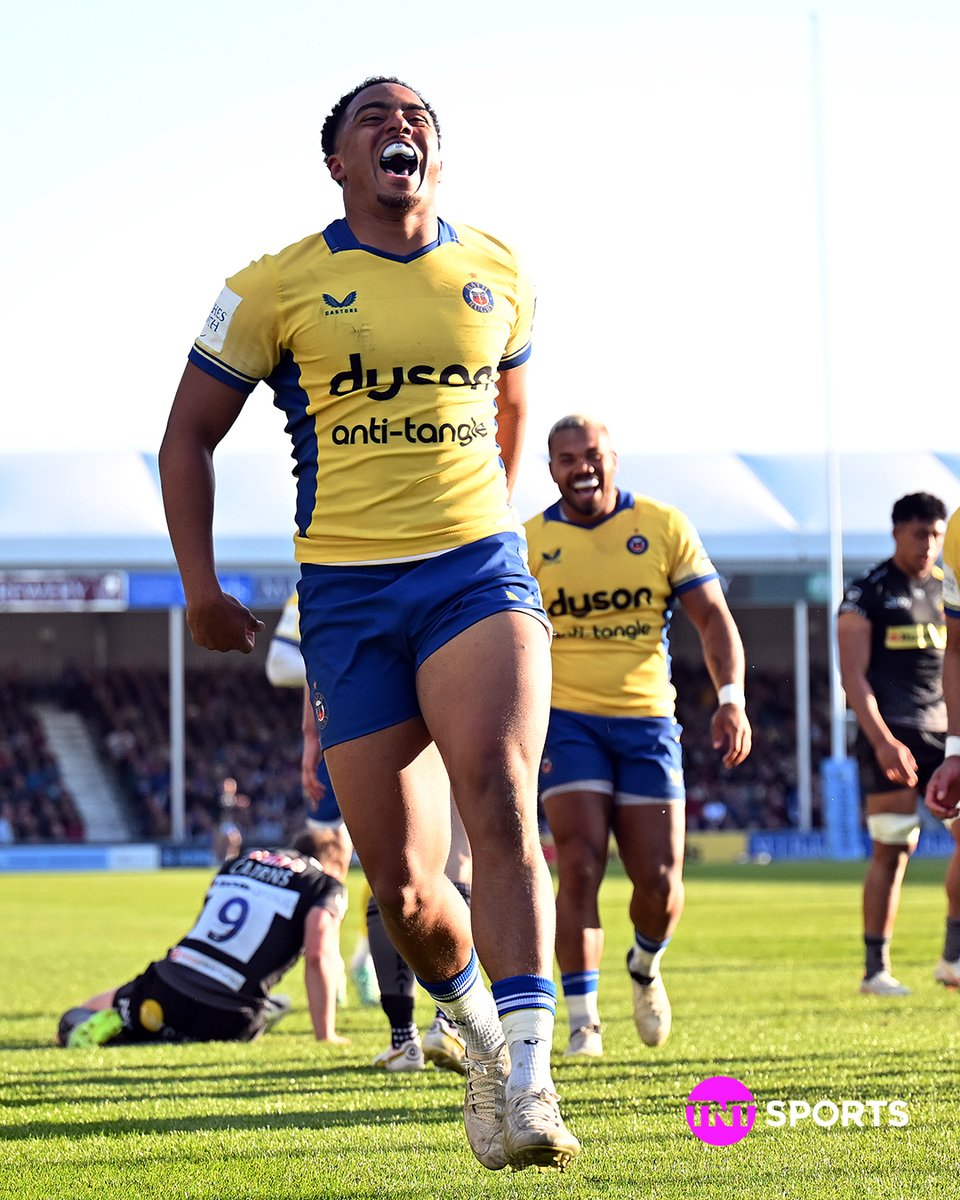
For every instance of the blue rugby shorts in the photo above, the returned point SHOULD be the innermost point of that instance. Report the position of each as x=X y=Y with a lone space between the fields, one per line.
x=366 y=630
x=634 y=759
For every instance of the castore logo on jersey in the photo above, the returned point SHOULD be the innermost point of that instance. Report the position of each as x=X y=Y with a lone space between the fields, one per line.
x=335 y=307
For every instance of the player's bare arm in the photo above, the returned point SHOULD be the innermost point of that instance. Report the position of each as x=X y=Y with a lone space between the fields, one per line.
x=943 y=791
x=203 y=411
x=321 y=965
x=724 y=659
x=512 y=419
x=895 y=759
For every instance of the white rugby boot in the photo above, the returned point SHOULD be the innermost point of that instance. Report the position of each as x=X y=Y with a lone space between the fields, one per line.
x=444 y=1047
x=883 y=984
x=534 y=1134
x=585 y=1042
x=651 y=1008
x=484 y=1105
x=408 y=1057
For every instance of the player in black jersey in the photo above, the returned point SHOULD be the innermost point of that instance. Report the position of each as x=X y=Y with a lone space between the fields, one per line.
x=891 y=637
x=262 y=910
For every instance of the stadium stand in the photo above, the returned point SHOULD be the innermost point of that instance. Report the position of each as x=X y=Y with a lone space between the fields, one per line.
x=762 y=792
x=35 y=805
x=239 y=726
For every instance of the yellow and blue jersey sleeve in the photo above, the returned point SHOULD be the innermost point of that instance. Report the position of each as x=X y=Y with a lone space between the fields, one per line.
x=951 y=567
x=386 y=370
x=240 y=342
x=609 y=590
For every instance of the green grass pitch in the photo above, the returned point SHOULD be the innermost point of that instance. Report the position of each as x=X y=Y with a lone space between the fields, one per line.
x=762 y=974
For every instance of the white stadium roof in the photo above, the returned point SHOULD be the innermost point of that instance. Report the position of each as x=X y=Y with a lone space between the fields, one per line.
x=104 y=510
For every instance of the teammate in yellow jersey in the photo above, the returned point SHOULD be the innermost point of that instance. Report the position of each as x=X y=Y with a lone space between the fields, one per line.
x=890 y=637
x=943 y=792
x=610 y=567
x=396 y=345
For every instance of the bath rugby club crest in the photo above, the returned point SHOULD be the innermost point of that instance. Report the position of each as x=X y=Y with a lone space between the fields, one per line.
x=478 y=296
x=319 y=708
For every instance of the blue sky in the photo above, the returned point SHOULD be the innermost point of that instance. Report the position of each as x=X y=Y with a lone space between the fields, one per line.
x=654 y=162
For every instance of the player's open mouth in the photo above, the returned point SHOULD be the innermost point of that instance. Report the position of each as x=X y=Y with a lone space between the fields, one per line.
x=586 y=485
x=399 y=158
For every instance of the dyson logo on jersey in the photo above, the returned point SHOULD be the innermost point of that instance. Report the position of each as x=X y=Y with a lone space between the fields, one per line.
x=358 y=378
x=619 y=598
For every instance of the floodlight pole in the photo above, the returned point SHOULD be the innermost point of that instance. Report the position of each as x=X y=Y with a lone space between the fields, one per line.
x=838 y=720
x=177 y=716
x=801 y=658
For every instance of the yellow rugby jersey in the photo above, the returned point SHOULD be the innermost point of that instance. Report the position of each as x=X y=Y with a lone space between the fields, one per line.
x=951 y=567
x=386 y=369
x=609 y=590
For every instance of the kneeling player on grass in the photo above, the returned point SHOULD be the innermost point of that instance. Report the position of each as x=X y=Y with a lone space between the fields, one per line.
x=261 y=912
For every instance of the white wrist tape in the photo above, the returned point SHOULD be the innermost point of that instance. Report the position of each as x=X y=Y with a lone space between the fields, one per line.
x=732 y=693
x=951 y=748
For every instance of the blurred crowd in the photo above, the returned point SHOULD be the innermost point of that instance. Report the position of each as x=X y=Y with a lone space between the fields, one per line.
x=761 y=793
x=239 y=727
x=35 y=806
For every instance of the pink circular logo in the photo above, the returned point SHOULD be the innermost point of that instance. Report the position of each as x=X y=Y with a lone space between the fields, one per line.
x=721 y=1111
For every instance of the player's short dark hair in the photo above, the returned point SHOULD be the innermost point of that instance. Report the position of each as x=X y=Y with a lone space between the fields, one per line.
x=331 y=126
x=573 y=421
x=919 y=506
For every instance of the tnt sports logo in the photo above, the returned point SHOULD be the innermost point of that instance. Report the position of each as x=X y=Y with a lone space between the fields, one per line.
x=721 y=1111
x=479 y=297
x=638 y=544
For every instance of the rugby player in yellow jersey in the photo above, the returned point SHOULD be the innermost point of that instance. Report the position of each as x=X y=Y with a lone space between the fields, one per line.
x=395 y=344
x=943 y=792
x=610 y=567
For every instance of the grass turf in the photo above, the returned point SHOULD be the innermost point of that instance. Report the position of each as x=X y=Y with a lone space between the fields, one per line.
x=762 y=975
